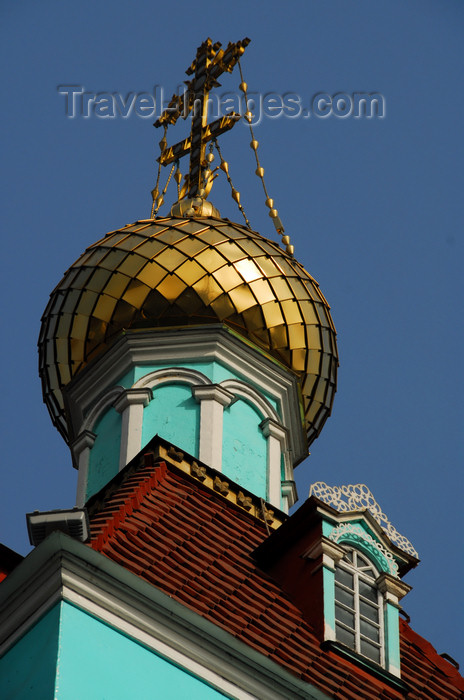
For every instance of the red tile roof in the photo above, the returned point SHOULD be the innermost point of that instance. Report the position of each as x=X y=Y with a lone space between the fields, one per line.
x=197 y=546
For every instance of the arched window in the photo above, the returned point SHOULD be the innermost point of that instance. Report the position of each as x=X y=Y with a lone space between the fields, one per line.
x=359 y=606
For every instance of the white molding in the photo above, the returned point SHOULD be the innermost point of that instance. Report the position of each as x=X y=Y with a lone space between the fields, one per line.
x=80 y=450
x=213 y=398
x=330 y=551
x=84 y=441
x=289 y=493
x=169 y=375
x=276 y=436
x=63 y=569
x=104 y=402
x=252 y=396
x=132 y=397
x=130 y=404
x=205 y=343
x=392 y=588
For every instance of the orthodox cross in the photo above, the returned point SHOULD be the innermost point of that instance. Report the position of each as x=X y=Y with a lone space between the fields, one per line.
x=208 y=65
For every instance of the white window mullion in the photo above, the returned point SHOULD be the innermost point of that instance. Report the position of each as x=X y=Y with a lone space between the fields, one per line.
x=357 y=616
x=361 y=570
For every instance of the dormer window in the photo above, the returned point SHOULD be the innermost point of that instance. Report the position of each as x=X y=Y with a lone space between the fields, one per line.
x=359 y=606
x=342 y=563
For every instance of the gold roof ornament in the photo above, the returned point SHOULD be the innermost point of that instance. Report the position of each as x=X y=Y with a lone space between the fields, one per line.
x=191 y=268
x=210 y=62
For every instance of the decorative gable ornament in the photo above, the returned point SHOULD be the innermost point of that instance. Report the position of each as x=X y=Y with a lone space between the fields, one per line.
x=352 y=497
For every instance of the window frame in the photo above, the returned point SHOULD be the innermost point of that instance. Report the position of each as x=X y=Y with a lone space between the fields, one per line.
x=357 y=571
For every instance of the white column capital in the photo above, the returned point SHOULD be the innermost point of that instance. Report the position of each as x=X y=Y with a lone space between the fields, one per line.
x=212 y=392
x=276 y=436
x=85 y=440
x=289 y=492
x=133 y=397
x=273 y=429
x=130 y=405
x=392 y=588
x=331 y=552
x=80 y=450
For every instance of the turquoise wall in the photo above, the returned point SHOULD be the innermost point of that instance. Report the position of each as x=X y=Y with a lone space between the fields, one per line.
x=104 y=455
x=28 y=670
x=392 y=636
x=70 y=655
x=98 y=663
x=173 y=414
x=328 y=583
x=244 y=448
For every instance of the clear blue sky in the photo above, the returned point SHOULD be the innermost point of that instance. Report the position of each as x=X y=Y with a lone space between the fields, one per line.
x=374 y=208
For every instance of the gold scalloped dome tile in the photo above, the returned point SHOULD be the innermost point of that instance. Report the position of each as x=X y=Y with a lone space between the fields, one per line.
x=174 y=271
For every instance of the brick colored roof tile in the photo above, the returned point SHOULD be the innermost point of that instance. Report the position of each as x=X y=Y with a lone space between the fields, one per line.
x=197 y=546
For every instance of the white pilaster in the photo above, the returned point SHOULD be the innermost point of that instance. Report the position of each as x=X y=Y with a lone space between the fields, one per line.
x=81 y=453
x=213 y=399
x=130 y=405
x=289 y=494
x=276 y=436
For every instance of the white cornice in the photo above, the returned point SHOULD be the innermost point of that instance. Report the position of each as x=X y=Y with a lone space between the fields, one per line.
x=63 y=569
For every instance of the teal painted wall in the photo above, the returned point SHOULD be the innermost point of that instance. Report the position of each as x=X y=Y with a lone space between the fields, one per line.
x=28 y=670
x=244 y=450
x=98 y=663
x=104 y=455
x=328 y=582
x=70 y=655
x=392 y=636
x=173 y=414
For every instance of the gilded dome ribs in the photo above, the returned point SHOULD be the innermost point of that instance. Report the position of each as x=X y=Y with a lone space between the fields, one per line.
x=180 y=271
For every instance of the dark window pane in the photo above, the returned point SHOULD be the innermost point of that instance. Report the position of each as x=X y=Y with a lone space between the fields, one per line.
x=369 y=611
x=348 y=557
x=344 y=597
x=369 y=572
x=344 y=636
x=364 y=565
x=345 y=616
x=370 y=631
x=371 y=651
x=344 y=577
x=367 y=591
x=361 y=560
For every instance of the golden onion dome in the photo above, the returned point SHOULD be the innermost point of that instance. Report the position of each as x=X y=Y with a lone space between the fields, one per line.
x=187 y=271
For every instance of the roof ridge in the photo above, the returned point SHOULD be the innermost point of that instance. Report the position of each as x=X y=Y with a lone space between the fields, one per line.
x=157 y=470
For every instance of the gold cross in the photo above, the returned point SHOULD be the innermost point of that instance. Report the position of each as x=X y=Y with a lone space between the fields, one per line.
x=208 y=65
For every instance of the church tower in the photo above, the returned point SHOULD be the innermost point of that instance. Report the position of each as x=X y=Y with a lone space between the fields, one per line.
x=189 y=362
x=191 y=327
